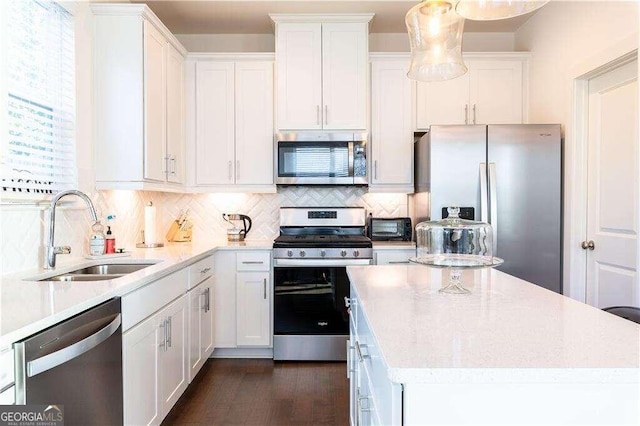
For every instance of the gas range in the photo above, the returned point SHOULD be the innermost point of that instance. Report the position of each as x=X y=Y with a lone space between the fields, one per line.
x=322 y=233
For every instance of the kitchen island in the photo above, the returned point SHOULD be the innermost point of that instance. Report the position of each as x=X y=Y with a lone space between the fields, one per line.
x=510 y=352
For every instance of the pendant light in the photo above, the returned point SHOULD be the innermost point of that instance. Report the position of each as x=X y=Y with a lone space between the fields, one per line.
x=435 y=35
x=489 y=10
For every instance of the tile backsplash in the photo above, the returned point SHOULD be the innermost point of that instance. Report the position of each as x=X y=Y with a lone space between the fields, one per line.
x=23 y=230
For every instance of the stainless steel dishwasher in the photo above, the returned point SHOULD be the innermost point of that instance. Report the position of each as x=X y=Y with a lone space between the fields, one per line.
x=76 y=364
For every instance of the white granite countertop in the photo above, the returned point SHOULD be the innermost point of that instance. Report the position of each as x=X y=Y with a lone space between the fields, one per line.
x=506 y=330
x=28 y=306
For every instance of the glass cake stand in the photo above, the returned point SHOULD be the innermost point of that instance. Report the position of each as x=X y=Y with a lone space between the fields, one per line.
x=456 y=244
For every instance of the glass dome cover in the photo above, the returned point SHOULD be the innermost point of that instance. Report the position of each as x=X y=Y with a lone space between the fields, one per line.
x=455 y=242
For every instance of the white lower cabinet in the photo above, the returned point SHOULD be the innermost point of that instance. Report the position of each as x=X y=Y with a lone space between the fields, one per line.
x=242 y=299
x=201 y=288
x=374 y=399
x=154 y=365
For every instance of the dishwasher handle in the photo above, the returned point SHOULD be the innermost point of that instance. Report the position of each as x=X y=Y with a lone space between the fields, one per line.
x=54 y=359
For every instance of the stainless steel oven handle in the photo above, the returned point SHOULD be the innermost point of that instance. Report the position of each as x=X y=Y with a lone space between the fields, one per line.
x=321 y=262
x=47 y=362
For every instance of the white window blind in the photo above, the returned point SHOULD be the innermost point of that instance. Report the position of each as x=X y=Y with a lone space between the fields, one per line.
x=38 y=152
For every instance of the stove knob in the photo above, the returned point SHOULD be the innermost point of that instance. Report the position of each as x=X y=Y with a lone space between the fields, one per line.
x=290 y=253
x=356 y=253
x=323 y=253
x=343 y=253
x=302 y=253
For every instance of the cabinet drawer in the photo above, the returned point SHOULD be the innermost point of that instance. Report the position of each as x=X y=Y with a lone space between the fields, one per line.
x=253 y=261
x=200 y=271
x=143 y=302
x=393 y=257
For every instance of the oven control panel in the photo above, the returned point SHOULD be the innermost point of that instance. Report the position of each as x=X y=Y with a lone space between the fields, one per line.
x=323 y=253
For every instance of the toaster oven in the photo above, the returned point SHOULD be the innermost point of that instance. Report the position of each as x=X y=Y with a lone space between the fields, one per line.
x=389 y=229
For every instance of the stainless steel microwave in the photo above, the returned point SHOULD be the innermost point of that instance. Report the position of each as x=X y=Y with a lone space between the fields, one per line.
x=321 y=158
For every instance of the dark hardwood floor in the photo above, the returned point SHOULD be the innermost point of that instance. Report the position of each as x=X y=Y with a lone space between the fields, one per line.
x=264 y=392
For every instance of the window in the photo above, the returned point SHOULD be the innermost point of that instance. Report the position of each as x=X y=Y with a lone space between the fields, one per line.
x=38 y=147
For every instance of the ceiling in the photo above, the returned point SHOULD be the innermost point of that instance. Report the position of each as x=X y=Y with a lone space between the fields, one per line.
x=252 y=16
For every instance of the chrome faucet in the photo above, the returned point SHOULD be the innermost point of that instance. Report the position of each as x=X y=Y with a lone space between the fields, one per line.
x=52 y=251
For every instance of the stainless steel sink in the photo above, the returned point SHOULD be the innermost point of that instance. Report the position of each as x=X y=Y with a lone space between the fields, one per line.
x=99 y=272
x=111 y=269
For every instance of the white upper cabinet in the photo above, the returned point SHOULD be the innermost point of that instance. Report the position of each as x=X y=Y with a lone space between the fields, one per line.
x=321 y=71
x=391 y=129
x=299 y=62
x=233 y=125
x=139 y=107
x=491 y=92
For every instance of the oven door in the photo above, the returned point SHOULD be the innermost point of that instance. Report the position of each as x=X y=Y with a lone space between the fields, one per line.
x=311 y=321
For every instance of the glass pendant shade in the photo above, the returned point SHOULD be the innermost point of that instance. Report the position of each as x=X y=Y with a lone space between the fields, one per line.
x=435 y=35
x=489 y=10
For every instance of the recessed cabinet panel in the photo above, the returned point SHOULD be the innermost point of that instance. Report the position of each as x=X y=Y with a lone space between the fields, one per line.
x=344 y=74
x=391 y=133
x=442 y=102
x=155 y=51
x=254 y=123
x=299 y=59
x=214 y=123
x=496 y=91
x=253 y=302
x=175 y=116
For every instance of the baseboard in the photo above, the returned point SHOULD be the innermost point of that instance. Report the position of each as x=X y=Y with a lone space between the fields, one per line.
x=242 y=353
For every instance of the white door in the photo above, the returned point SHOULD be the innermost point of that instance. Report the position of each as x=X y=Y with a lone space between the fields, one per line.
x=391 y=133
x=141 y=348
x=442 y=102
x=299 y=75
x=254 y=123
x=344 y=76
x=253 y=309
x=215 y=115
x=495 y=92
x=612 y=197
x=175 y=116
x=173 y=361
x=155 y=103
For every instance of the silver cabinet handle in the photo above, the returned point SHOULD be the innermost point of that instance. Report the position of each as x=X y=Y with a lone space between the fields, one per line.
x=208 y=299
x=474 y=113
x=265 y=288
x=493 y=212
x=47 y=362
x=347 y=302
x=163 y=326
x=375 y=169
x=466 y=114
x=326 y=114
x=237 y=169
x=252 y=262
x=165 y=169
x=397 y=262
x=205 y=270
x=318 y=114
x=173 y=164
x=591 y=245
x=169 y=332
x=230 y=165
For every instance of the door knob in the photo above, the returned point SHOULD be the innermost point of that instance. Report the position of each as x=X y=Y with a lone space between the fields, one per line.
x=588 y=245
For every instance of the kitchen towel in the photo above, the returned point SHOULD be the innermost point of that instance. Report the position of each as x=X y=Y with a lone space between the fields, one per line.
x=150 y=236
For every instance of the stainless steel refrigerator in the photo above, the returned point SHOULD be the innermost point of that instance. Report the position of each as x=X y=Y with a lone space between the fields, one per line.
x=507 y=175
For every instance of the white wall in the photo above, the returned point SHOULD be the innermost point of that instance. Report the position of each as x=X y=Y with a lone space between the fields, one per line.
x=566 y=41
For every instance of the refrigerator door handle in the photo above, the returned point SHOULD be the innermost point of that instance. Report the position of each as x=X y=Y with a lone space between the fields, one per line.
x=484 y=194
x=493 y=195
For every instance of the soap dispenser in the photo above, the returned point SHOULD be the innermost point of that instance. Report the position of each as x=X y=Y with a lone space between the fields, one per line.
x=96 y=240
